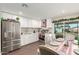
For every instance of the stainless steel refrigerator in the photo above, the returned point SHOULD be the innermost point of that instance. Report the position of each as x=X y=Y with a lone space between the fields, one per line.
x=10 y=35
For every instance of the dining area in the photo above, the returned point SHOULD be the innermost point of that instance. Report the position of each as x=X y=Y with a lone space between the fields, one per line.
x=63 y=41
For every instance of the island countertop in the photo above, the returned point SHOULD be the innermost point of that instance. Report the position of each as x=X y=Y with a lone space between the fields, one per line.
x=61 y=49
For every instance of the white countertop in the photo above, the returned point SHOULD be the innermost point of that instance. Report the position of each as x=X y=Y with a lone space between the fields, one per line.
x=62 y=49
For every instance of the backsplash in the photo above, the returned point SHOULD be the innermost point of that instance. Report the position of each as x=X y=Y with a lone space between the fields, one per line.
x=29 y=30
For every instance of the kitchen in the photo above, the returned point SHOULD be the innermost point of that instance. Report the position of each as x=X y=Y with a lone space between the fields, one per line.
x=39 y=28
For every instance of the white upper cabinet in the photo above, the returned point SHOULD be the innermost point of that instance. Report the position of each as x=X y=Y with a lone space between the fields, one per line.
x=49 y=23
x=23 y=22
x=30 y=23
x=36 y=23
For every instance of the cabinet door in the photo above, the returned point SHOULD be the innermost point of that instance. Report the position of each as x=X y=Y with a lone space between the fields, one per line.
x=17 y=30
x=3 y=30
x=6 y=36
x=49 y=23
x=28 y=23
x=6 y=31
x=6 y=49
x=12 y=30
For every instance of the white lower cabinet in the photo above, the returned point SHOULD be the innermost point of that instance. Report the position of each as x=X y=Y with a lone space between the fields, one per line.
x=29 y=38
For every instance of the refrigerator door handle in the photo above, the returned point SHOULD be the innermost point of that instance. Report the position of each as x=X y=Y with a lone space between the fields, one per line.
x=5 y=35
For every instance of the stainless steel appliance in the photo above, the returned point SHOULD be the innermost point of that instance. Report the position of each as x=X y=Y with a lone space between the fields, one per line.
x=10 y=35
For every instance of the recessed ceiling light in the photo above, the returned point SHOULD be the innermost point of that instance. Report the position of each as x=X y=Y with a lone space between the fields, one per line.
x=63 y=11
x=20 y=13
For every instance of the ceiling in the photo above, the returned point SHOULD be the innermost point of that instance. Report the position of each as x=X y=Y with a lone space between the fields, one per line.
x=41 y=10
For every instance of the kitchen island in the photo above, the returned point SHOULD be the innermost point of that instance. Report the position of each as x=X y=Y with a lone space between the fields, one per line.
x=61 y=49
